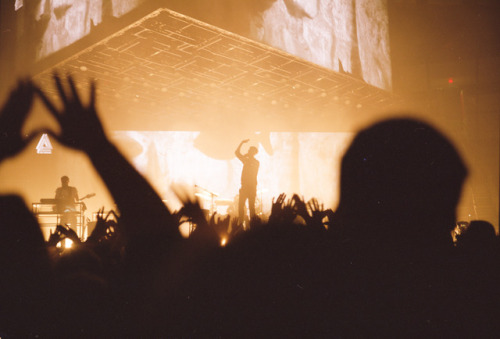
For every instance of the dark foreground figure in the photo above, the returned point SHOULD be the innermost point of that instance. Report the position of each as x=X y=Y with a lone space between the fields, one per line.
x=382 y=265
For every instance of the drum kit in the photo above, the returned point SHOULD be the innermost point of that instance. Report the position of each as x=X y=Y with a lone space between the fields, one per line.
x=213 y=203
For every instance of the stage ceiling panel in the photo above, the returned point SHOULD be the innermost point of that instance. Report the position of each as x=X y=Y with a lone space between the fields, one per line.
x=167 y=71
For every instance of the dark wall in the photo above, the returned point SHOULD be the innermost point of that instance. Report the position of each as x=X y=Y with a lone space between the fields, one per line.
x=446 y=62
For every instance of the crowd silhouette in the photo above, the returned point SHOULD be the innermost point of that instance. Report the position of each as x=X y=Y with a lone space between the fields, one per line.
x=383 y=264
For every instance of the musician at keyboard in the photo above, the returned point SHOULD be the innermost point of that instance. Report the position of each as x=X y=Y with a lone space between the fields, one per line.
x=66 y=199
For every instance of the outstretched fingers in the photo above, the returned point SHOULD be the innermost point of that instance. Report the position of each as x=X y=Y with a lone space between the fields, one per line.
x=281 y=198
x=74 y=93
x=24 y=97
x=75 y=117
x=60 y=88
x=92 y=93
x=12 y=117
x=50 y=106
x=18 y=104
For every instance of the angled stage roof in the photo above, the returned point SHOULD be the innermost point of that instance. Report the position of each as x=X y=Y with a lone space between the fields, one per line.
x=167 y=71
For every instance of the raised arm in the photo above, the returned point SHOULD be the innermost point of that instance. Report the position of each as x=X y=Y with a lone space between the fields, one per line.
x=12 y=117
x=238 y=150
x=142 y=210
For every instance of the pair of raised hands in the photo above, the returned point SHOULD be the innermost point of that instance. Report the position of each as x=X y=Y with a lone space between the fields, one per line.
x=286 y=210
x=81 y=128
x=61 y=233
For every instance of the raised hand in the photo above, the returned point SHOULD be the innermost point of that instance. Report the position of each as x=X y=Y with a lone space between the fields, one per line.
x=317 y=213
x=12 y=117
x=220 y=225
x=71 y=234
x=102 y=229
x=82 y=130
x=330 y=214
x=80 y=126
x=277 y=205
x=191 y=207
x=56 y=237
x=282 y=211
x=62 y=233
x=300 y=207
x=289 y=211
x=315 y=207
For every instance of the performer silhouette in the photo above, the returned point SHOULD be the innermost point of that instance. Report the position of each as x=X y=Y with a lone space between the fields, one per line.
x=66 y=198
x=248 y=190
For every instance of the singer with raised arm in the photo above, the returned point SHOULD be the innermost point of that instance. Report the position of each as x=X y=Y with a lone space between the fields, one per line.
x=248 y=190
x=66 y=199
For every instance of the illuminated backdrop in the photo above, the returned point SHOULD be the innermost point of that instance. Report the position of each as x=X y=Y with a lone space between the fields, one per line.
x=343 y=35
x=290 y=163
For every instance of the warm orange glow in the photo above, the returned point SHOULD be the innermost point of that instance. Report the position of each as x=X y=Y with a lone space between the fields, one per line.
x=223 y=241
x=185 y=228
x=68 y=243
x=293 y=166
x=65 y=243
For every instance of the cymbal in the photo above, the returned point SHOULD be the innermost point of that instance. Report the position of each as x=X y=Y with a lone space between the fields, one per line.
x=205 y=196
x=204 y=190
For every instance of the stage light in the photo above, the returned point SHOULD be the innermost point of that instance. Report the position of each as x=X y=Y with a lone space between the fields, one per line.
x=65 y=243
x=68 y=243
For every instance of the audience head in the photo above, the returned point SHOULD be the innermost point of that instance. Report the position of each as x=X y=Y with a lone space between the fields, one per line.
x=20 y=235
x=401 y=172
x=479 y=235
